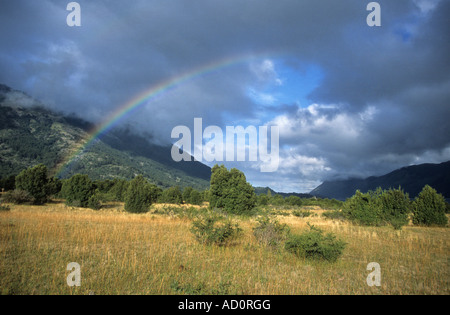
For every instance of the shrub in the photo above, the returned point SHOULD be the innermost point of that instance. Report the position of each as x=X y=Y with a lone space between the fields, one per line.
x=17 y=197
x=139 y=195
x=192 y=196
x=212 y=230
x=119 y=189
x=364 y=209
x=8 y=183
x=302 y=214
x=395 y=207
x=94 y=201
x=277 y=200
x=294 y=201
x=315 y=245
x=187 y=194
x=172 y=195
x=270 y=233
x=333 y=214
x=263 y=200
x=230 y=191
x=4 y=208
x=35 y=182
x=77 y=190
x=429 y=208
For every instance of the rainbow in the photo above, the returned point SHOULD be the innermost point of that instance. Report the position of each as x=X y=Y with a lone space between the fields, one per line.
x=145 y=97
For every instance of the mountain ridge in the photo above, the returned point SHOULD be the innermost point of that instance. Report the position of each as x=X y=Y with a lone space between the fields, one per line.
x=410 y=178
x=30 y=134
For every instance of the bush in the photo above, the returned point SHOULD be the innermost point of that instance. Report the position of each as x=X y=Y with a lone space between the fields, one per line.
x=118 y=189
x=315 y=245
x=192 y=196
x=263 y=200
x=35 y=182
x=333 y=215
x=294 y=201
x=429 y=208
x=17 y=197
x=77 y=191
x=277 y=200
x=8 y=183
x=94 y=202
x=230 y=191
x=270 y=233
x=364 y=209
x=302 y=214
x=140 y=195
x=172 y=195
x=4 y=208
x=211 y=230
x=395 y=207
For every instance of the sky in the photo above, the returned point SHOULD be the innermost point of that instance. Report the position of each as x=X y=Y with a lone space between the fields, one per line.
x=349 y=100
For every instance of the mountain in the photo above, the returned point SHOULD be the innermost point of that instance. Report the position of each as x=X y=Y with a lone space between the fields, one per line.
x=411 y=179
x=264 y=190
x=31 y=134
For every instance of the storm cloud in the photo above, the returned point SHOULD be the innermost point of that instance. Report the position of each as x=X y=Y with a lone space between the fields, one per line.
x=349 y=99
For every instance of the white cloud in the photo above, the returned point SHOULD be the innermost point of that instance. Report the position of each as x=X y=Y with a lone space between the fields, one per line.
x=426 y=6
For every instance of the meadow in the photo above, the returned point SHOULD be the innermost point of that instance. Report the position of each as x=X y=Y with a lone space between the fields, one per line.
x=155 y=253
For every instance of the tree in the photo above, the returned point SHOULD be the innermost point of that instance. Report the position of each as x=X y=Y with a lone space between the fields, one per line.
x=429 y=208
x=187 y=194
x=119 y=189
x=294 y=201
x=172 y=195
x=196 y=197
x=8 y=183
x=77 y=190
x=35 y=182
x=395 y=207
x=192 y=196
x=139 y=195
x=230 y=191
x=364 y=208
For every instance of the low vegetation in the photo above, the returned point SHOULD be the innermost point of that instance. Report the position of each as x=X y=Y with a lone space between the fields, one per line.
x=315 y=245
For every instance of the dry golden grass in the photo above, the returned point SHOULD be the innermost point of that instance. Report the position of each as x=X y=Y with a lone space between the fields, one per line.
x=122 y=253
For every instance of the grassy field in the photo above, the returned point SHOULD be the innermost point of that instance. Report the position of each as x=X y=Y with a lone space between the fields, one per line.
x=121 y=253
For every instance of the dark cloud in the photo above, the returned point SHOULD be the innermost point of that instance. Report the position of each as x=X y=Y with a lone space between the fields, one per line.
x=382 y=103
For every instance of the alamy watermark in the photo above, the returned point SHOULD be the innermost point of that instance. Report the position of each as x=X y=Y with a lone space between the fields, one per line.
x=74 y=278
x=374 y=278
x=233 y=147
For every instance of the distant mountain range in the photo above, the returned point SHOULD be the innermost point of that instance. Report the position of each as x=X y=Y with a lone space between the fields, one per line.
x=411 y=179
x=264 y=190
x=31 y=134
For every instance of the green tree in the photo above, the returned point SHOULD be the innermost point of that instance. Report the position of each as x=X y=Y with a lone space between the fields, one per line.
x=187 y=194
x=172 y=195
x=192 y=196
x=77 y=190
x=294 y=201
x=263 y=200
x=429 y=208
x=35 y=182
x=364 y=208
x=8 y=183
x=119 y=189
x=230 y=191
x=396 y=207
x=139 y=195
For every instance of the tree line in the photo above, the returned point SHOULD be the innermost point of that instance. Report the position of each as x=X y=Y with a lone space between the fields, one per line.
x=229 y=191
